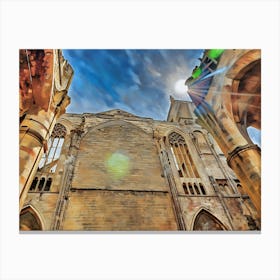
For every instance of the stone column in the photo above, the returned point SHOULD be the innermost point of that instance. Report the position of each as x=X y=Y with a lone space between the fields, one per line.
x=34 y=133
x=245 y=161
x=66 y=182
x=46 y=86
x=242 y=156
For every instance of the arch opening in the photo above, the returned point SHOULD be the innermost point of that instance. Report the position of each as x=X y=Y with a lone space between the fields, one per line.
x=29 y=220
x=206 y=221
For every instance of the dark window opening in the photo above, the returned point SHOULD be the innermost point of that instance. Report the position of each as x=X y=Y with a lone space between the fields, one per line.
x=202 y=189
x=34 y=184
x=41 y=184
x=184 y=168
x=48 y=185
x=191 y=189
x=196 y=189
x=185 y=188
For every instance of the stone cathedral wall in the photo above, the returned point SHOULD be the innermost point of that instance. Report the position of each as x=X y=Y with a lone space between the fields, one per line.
x=111 y=176
x=129 y=196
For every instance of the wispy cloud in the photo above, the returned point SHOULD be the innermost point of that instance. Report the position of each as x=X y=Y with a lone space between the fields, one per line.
x=138 y=81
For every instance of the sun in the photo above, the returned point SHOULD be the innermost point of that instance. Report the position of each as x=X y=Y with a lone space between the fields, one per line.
x=180 y=89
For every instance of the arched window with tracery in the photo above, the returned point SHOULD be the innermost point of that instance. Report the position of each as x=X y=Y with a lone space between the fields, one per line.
x=48 y=162
x=182 y=158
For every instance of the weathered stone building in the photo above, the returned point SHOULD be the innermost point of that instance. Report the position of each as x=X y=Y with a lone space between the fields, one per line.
x=226 y=91
x=117 y=171
x=44 y=80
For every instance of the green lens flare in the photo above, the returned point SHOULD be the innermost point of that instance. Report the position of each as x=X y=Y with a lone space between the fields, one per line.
x=196 y=73
x=118 y=165
x=214 y=54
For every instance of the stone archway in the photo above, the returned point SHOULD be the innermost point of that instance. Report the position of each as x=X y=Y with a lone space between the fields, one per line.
x=29 y=220
x=206 y=221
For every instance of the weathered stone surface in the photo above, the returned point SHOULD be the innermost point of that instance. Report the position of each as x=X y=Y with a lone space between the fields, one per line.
x=230 y=103
x=99 y=147
x=41 y=103
x=118 y=171
x=119 y=210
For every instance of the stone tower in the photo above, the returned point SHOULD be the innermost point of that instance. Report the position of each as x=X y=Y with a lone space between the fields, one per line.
x=227 y=97
x=117 y=171
x=44 y=80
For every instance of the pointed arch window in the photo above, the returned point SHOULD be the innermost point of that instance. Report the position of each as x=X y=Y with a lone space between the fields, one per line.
x=48 y=162
x=206 y=221
x=182 y=158
x=29 y=220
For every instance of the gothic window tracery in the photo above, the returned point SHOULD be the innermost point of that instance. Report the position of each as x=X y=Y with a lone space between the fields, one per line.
x=48 y=162
x=182 y=158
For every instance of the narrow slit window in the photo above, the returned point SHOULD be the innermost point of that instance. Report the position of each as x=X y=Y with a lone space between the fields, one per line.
x=48 y=185
x=196 y=188
x=184 y=168
x=185 y=188
x=41 y=184
x=191 y=189
x=202 y=189
x=34 y=184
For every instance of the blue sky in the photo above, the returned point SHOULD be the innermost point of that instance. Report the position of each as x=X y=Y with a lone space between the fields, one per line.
x=136 y=81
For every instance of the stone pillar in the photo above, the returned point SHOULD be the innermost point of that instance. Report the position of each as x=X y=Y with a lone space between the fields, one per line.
x=242 y=156
x=245 y=161
x=46 y=86
x=68 y=173
x=34 y=133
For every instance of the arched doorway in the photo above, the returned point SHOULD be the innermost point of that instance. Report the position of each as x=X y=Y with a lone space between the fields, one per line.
x=29 y=220
x=206 y=221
